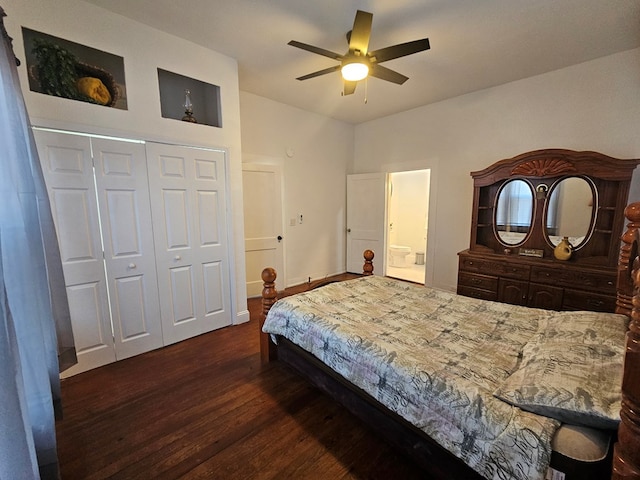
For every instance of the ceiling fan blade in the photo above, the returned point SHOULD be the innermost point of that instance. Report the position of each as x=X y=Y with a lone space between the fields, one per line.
x=400 y=50
x=348 y=87
x=387 y=74
x=361 y=32
x=318 y=50
x=319 y=72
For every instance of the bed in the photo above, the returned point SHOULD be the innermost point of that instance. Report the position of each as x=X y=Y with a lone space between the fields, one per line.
x=500 y=422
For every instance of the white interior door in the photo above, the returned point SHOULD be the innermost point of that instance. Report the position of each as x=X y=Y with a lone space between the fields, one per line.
x=68 y=171
x=125 y=211
x=262 y=190
x=366 y=210
x=188 y=198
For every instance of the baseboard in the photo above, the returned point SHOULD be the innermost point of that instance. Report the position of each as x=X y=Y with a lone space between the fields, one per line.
x=241 y=317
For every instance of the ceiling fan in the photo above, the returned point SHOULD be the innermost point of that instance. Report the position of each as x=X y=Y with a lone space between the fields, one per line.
x=359 y=62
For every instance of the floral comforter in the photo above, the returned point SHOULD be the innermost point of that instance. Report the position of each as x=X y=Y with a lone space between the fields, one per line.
x=433 y=357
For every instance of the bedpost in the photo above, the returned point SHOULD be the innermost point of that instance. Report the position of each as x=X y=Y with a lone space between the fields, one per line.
x=367 y=268
x=626 y=456
x=268 y=350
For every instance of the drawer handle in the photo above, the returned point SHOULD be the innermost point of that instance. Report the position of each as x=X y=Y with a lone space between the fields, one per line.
x=610 y=283
x=470 y=263
x=131 y=266
x=476 y=281
x=595 y=303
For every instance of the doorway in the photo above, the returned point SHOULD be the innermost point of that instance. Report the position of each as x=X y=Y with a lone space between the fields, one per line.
x=407 y=223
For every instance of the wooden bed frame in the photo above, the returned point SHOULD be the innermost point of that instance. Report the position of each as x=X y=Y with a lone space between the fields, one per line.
x=436 y=460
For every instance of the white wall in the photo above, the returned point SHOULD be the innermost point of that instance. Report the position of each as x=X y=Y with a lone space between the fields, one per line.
x=314 y=180
x=144 y=50
x=591 y=106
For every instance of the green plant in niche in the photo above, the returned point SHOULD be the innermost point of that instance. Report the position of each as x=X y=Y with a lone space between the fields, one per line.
x=56 y=70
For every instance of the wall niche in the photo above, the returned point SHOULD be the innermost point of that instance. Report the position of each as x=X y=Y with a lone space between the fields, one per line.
x=203 y=101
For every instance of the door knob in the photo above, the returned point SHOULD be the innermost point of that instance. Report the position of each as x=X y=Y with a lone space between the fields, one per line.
x=348 y=230
x=279 y=238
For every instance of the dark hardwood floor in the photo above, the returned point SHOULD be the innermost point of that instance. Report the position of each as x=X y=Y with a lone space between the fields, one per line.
x=206 y=408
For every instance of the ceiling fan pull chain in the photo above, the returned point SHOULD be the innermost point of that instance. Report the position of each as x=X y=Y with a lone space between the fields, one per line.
x=366 y=89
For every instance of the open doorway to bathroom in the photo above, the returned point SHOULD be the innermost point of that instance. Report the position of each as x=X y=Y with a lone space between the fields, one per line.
x=407 y=214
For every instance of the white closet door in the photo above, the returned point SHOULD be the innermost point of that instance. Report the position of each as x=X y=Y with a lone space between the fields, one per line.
x=188 y=198
x=125 y=211
x=68 y=171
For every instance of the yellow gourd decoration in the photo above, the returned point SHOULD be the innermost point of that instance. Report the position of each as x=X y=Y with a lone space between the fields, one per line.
x=94 y=89
x=563 y=250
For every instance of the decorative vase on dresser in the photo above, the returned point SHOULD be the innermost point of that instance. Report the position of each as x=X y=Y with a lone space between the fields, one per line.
x=563 y=250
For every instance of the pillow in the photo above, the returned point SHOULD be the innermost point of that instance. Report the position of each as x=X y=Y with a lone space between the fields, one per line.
x=576 y=382
x=583 y=328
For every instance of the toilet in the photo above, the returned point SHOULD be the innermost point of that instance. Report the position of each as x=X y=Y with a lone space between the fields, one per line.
x=397 y=255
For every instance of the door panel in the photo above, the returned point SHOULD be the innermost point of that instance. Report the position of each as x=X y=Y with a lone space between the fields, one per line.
x=68 y=170
x=262 y=223
x=213 y=277
x=86 y=302
x=209 y=208
x=123 y=192
x=128 y=308
x=183 y=294
x=189 y=211
x=366 y=210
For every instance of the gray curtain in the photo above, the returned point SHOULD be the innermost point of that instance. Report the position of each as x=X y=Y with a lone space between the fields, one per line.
x=36 y=339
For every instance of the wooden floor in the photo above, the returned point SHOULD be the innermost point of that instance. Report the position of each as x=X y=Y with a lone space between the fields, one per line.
x=205 y=408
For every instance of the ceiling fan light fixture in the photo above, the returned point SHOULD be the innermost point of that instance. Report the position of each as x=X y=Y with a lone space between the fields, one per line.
x=355 y=71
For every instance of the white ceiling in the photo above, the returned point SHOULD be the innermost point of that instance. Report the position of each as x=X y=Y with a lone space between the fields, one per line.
x=475 y=44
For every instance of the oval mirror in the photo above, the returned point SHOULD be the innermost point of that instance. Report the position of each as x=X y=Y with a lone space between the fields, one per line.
x=514 y=211
x=569 y=211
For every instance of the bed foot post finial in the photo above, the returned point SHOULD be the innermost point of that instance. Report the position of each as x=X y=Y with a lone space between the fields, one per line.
x=625 y=262
x=626 y=453
x=268 y=350
x=367 y=268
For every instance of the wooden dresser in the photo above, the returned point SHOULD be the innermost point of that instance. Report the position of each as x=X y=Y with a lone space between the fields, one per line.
x=511 y=254
x=536 y=283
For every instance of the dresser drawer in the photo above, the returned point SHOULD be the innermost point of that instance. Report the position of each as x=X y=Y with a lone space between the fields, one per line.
x=603 y=282
x=498 y=268
x=477 y=293
x=579 y=300
x=475 y=280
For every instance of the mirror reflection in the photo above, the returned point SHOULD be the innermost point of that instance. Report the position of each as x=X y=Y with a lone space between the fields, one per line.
x=569 y=211
x=514 y=211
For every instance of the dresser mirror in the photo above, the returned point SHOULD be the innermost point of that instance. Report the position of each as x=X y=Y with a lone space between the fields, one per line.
x=514 y=211
x=570 y=211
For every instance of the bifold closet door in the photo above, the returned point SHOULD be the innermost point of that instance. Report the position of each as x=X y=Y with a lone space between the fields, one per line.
x=68 y=171
x=187 y=189
x=125 y=213
x=100 y=200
